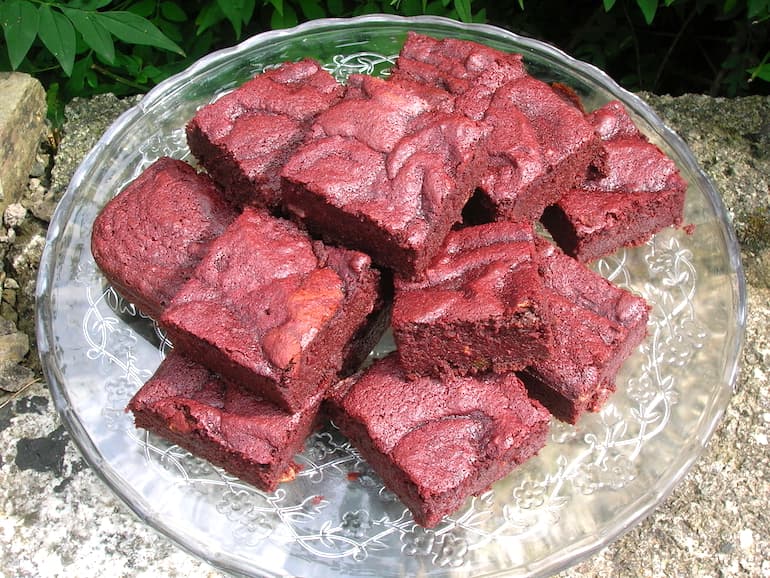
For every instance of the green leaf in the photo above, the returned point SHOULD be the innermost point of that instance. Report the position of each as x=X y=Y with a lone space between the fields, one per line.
x=728 y=6
x=172 y=12
x=20 y=25
x=58 y=36
x=144 y=8
x=248 y=10
x=54 y=104
x=134 y=29
x=648 y=8
x=312 y=9
x=277 y=6
x=463 y=8
x=521 y=4
x=285 y=20
x=76 y=81
x=755 y=8
x=335 y=7
x=209 y=16
x=608 y=4
x=94 y=34
x=232 y=10
x=89 y=5
x=762 y=72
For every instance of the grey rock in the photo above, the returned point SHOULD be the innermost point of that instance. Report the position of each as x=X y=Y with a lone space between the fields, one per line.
x=40 y=201
x=22 y=124
x=40 y=166
x=86 y=120
x=14 y=378
x=13 y=347
x=14 y=215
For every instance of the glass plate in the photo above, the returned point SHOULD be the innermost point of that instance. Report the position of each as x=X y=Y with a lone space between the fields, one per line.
x=589 y=484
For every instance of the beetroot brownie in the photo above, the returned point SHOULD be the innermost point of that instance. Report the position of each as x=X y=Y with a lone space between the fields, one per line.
x=245 y=137
x=638 y=192
x=597 y=325
x=386 y=171
x=435 y=443
x=271 y=310
x=480 y=307
x=149 y=238
x=526 y=181
x=540 y=144
x=469 y=70
x=226 y=424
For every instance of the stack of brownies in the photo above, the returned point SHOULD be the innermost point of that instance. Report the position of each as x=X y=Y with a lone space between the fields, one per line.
x=328 y=212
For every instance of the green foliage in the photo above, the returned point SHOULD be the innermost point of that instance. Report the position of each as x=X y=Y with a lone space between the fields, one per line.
x=717 y=47
x=84 y=47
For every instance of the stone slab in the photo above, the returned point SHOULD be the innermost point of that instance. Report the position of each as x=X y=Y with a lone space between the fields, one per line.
x=22 y=125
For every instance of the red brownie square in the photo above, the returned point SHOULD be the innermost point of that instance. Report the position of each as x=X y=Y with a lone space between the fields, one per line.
x=469 y=70
x=149 y=238
x=480 y=307
x=597 y=325
x=272 y=310
x=539 y=144
x=226 y=424
x=387 y=171
x=637 y=192
x=437 y=442
x=549 y=157
x=244 y=138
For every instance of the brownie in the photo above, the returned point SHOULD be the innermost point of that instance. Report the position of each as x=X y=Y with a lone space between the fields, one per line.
x=386 y=171
x=226 y=424
x=243 y=138
x=149 y=237
x=526 y=178
x=469 y=70
x=437 y=442
x=638 y=192
x=271 y=310
x=480 y=307
x=596 y=326
x=540 y=143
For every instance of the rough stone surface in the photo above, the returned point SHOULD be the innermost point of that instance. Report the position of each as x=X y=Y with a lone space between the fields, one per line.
x=58 y=519
x=22 y=121
x=86 y=120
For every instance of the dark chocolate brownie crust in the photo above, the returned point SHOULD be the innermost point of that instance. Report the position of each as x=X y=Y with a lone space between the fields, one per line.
x=480 y=307
x=386 y=171
x=434 y=442
x=149 y=238
x=271 y=310
x=597 y=326
x=637 y=192
x=227 y=425
x=244 y=138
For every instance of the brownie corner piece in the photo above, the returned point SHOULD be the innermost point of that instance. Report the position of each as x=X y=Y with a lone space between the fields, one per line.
x=269 y=309
x=480 y=307
x=597 y=326
x=437 y=442
x=244 y=137
x=636 y=192
x=188 y=405
x=148 y=238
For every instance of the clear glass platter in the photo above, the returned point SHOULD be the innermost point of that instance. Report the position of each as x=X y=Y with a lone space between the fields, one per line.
x=590 y=483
